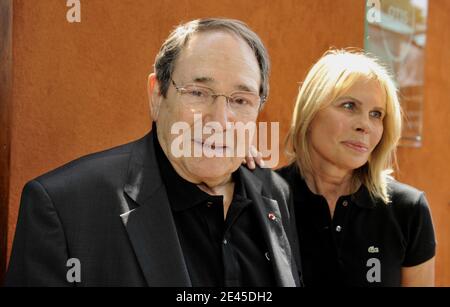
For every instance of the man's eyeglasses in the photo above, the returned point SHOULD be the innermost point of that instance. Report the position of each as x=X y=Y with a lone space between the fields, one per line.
x=240 y=103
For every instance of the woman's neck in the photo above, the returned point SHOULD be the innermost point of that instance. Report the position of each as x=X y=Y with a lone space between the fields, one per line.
x=330 y=181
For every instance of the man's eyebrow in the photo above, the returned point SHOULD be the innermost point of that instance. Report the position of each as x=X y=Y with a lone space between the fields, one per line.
x=203 y=79
x=244 y=88
x=209 y=80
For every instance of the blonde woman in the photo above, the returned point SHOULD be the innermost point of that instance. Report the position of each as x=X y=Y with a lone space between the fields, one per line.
x=357 y=226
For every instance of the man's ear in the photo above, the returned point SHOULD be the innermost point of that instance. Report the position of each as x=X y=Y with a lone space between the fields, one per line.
x=154 y=96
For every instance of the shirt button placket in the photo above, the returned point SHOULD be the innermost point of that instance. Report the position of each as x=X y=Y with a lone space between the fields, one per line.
x=345 y=204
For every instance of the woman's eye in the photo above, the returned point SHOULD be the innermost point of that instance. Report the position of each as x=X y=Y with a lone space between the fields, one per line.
x=348 y=105
x=376 y=114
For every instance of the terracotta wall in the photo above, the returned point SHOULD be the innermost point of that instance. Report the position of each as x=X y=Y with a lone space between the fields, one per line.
x=80 y=87
x=427 y=167
x=5 y=99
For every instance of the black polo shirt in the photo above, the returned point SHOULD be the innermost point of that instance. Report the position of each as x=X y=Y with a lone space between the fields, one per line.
x=367 y=242
x=217 y=252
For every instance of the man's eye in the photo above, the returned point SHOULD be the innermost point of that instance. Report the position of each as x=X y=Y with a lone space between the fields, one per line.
x=197 y=93
x=240 y=100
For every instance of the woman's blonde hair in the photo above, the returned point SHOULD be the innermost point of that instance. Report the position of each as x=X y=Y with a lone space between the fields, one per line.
x=334 y=74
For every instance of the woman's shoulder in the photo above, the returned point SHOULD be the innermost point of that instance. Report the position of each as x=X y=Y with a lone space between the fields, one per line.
x=289 y=171
x=413 y=214
x=402 y=194
x=408 y=203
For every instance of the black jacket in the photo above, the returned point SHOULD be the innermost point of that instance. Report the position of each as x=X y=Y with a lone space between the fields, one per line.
x=110 y=211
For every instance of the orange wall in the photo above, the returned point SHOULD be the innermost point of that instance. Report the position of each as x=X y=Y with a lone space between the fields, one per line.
x=5 y=98
x=427 y=167
x=80 y=88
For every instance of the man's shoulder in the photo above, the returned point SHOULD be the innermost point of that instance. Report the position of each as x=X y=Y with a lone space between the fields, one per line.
x=271 y=181
x=90 y=167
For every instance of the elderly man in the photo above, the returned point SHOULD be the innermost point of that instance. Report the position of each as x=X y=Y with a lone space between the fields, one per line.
x=146 y=214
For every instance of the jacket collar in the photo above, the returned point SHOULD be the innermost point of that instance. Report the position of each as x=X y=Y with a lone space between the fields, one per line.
x=150 y=225
x=270 y=219
x=302 y=193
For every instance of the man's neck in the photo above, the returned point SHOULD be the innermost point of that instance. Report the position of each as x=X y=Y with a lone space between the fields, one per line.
x=213 y=186
x=226 y=190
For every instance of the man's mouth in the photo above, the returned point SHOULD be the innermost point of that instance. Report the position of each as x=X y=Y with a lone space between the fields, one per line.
x=213 y=146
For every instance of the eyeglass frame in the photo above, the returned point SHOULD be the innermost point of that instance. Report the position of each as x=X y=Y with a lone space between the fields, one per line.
x=179 y=89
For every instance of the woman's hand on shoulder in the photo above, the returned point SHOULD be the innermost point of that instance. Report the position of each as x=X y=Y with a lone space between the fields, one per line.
x=252 y=158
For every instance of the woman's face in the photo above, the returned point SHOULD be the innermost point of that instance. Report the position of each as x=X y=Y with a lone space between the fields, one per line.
x=344 y=134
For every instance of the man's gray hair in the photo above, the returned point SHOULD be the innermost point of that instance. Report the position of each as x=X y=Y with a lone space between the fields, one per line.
x=167 y=55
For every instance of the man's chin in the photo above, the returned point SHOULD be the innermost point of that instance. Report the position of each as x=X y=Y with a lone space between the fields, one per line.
x=210 y=168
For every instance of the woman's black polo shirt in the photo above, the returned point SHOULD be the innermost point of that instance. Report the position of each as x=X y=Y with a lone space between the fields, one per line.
x=367 y=242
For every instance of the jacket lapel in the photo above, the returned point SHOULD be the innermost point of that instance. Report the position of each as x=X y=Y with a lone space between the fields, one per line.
x=150 y=226
x=275 y=236
x=149 y=222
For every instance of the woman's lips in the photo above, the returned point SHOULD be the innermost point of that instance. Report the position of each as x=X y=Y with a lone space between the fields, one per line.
x=360 y=147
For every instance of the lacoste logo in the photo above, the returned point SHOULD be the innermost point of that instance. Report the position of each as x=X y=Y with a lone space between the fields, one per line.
x=373 y=250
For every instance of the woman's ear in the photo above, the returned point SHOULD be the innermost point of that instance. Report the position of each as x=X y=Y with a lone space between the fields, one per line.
x=154 y=96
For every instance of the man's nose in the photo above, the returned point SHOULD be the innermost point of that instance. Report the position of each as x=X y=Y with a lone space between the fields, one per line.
x=220 y=112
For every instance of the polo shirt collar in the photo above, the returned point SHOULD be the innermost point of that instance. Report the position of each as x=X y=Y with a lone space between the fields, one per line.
x=361 y=198
x=184 y=194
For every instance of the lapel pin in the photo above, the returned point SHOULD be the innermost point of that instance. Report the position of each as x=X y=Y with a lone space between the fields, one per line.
x=272 y=216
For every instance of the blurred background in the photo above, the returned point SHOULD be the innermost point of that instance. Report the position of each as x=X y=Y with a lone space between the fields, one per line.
x=72 y=88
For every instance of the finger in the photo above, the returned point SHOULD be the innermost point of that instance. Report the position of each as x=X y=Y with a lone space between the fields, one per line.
x=262 y=163
x=253 y=151
x=249 y=160
x=251 y=164
x=257 y=157
x=259 y=160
